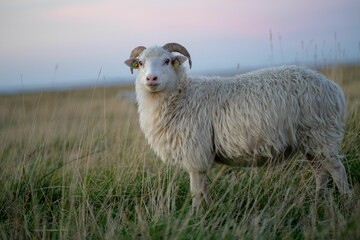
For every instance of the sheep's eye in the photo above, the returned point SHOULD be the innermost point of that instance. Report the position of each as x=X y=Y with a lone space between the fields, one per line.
x=141 y=63
x=167 y=61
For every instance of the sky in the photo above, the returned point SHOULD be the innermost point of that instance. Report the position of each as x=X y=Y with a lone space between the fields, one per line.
x=48 y=42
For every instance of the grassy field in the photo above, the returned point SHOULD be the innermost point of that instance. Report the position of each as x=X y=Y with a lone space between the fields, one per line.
x=74 y=165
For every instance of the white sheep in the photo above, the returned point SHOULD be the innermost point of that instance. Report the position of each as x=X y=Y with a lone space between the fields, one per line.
x=244 y=120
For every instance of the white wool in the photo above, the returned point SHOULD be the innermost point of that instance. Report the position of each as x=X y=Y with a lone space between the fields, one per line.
x=258 y=114
x=244 y=120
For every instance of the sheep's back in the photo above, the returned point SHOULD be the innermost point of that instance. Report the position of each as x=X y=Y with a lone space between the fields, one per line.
x=264 y=112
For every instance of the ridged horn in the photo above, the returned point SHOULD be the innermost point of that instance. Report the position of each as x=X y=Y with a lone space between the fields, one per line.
x=175 y=47
x=135 y=53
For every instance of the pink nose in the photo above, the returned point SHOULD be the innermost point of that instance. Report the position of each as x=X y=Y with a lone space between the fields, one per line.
x=151 y=78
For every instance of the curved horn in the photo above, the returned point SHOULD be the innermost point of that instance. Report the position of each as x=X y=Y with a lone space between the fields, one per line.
x=135 y=53
x=175 y=47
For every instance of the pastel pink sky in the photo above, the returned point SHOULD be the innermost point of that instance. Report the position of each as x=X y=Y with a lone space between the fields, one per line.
x=80 y=37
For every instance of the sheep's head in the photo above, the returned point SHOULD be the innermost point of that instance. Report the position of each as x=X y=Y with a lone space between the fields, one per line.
x=158 y=66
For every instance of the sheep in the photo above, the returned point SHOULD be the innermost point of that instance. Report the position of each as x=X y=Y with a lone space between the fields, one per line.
x=245 y=120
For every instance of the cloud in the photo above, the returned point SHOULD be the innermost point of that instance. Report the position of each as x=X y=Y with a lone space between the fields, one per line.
x=84 y=13
x=75 y=32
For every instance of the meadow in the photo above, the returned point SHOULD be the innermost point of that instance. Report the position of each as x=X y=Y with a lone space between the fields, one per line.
x=75 y=165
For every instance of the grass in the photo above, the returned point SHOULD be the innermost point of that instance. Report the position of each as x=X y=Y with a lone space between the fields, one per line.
x=74 y=165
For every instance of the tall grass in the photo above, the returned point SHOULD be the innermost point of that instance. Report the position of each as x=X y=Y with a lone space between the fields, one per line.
x=75 y=165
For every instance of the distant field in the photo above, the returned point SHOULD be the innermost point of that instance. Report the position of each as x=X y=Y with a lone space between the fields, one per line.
x=75 y=165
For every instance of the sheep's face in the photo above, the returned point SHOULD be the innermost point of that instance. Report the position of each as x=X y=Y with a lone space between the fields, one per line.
x=158 y=69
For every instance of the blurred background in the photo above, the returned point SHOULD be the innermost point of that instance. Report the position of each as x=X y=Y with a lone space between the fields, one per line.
x=60 y=44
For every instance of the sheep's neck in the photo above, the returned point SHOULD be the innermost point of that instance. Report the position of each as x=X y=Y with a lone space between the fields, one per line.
x=152 y=106
x=149 y=109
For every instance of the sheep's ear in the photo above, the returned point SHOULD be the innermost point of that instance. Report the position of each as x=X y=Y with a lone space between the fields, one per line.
x=133 y=63
x=178 y=60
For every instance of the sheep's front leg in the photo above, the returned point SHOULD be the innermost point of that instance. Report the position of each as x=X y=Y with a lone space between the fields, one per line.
x=198 y=188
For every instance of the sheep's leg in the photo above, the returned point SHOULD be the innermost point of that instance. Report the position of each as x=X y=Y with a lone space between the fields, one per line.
x=321 y=176
x=323 y=166
x=337 y=171
x=198 y=188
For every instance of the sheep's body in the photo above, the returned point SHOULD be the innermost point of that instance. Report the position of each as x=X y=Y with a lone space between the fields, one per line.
x=245 y=120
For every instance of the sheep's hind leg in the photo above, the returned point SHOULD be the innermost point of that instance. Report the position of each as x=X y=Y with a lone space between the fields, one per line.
x=324 y=165
x=338 y=173
x=321 y=176
x=198 y=188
